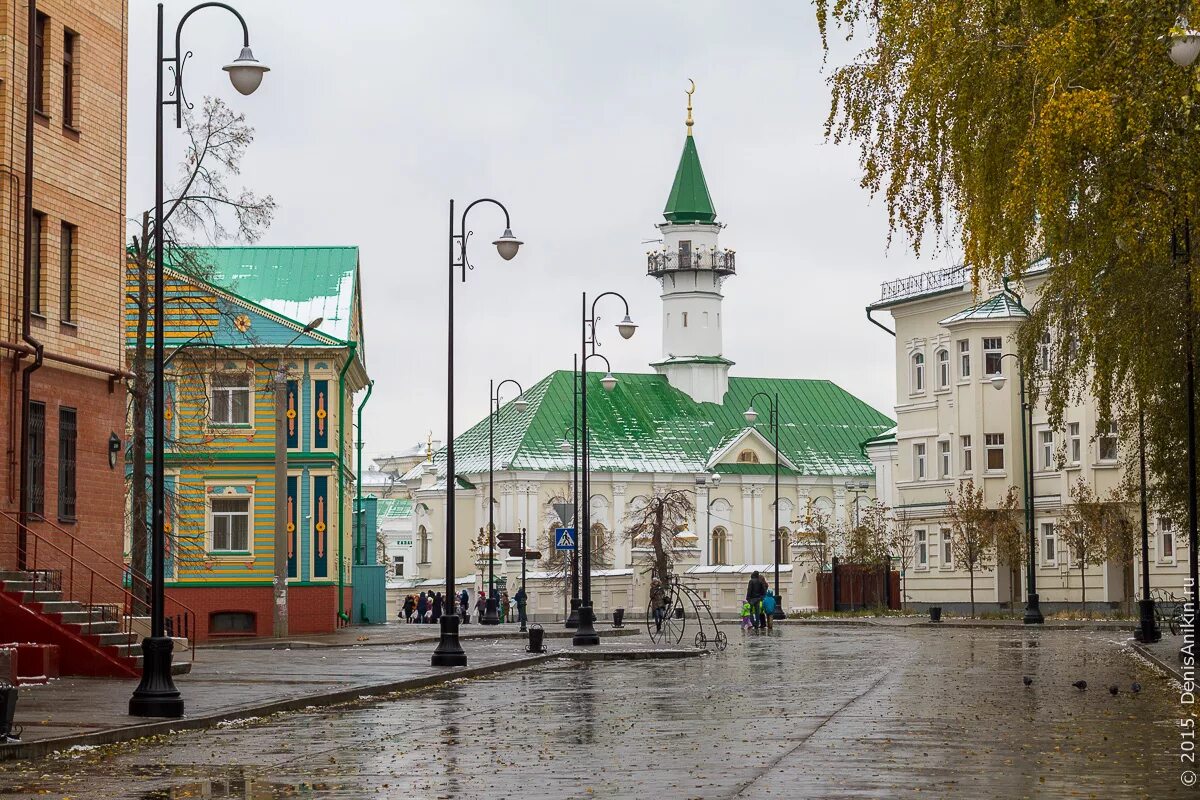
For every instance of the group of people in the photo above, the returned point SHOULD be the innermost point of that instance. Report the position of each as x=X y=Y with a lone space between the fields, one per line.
x=428 y=607
x=759 y=607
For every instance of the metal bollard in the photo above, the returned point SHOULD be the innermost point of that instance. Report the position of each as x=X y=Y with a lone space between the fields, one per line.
x=935 y=613
x=537 y=635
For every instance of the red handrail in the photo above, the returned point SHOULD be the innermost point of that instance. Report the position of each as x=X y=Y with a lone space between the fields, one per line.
x=188 y=614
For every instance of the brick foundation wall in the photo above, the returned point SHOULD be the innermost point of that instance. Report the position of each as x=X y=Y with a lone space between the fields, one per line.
x=311 y=609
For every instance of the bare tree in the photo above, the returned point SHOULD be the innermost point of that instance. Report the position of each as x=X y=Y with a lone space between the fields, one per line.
x=871 y=540
x=820 y=537
x=1082 y=530
x=1121 y=538
x=1008 y=536
x=659 y=526
x=902 y=546
x=201 y=206
x=972 y=533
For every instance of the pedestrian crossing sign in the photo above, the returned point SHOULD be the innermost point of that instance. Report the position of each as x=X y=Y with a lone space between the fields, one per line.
x=564 y=538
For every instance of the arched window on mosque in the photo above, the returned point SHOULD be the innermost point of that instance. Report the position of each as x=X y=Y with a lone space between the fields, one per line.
x=719 y=549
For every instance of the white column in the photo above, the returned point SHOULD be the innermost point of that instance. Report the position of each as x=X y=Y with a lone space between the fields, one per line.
x=747 y=526
x=702 y=521
x=760 y=530
x=621 y=554
x=839 y=507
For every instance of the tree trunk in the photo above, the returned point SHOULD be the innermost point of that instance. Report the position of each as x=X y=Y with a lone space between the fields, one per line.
x=1082 y=587
x=971 y=571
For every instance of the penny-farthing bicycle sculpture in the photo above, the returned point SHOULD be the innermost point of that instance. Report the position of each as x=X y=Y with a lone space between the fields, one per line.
x=682 y=603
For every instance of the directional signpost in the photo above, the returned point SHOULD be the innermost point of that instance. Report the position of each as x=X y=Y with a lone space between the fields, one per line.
x=564 y=538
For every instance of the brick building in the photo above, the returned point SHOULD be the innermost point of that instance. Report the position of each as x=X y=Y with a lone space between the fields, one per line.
x=77 y=400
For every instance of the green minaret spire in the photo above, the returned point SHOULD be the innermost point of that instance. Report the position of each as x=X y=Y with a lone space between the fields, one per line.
x=690 y=200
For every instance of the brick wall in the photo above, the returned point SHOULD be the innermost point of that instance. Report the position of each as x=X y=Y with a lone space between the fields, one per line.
x=311 y=609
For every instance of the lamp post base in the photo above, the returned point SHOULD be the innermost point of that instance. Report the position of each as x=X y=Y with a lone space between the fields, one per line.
x=1033 y=611
x=156 y=695
x=491 y=614
x=778 y=613
x=449 y=652
x=573 y=617
x=1148 y=631
x=585 y=634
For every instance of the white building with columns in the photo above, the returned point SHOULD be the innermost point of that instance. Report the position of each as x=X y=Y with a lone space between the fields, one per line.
x=673 y=428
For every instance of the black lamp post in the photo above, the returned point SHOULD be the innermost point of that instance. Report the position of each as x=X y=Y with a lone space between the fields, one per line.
x=752 y=415
x=156 y=695
x=572 y=447
x=1148 y=631
x=491 y=614
x=1033 y=610
x=449 y=652
x=585 y=633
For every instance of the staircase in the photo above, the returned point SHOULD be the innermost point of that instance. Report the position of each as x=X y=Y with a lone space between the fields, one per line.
x=94 y=641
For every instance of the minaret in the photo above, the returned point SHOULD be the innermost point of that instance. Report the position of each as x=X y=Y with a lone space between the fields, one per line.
x=691 y=267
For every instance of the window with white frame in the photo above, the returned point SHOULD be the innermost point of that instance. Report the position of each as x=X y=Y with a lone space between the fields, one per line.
x=1046 y=449
x=1076 y=442
x=968 y=461
x=230 y=403
x=943 y=369
x=922 y=540
x=964 y=358
x=1044 y=352
x=423 y=544
x=919 y=461
x=993 y=347
x=994 y=443
x=230 y=524
x=398 y=566
x=1166 y=540
x=1049 y=543
x=918 y=372
x=947 y=548
x=944 y=458
x=1076 y=553
x=1106 y=441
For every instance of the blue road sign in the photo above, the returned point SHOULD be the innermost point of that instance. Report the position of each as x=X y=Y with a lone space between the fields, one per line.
x=564 y=538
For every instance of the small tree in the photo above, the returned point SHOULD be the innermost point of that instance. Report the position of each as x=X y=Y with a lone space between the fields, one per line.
x=1082 y=530
x=819 y=538
x=870 y=540
x=1121 y=537
x=1009 y=536
x=659 y=526
x=902 y=545
x=971 y=531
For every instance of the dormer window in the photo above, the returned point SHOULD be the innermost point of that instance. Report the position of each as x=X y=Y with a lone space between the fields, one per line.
x=747 y=456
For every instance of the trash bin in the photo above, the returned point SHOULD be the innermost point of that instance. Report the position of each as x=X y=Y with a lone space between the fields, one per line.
x=935 y=613
x=537 y=635
x=619 y=618
x=678 y=612
x=8 y=710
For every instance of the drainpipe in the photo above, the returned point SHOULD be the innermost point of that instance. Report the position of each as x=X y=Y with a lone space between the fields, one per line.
x=27 y=269
x=341 y=467
x=877 y=322
x=361 y=558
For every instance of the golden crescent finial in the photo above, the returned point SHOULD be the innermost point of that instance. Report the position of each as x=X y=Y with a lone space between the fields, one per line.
x=690 y=92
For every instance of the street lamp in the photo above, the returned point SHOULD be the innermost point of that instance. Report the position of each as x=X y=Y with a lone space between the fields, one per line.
x=1148 y=631
x=585 y=633
x=449 y=652
x=1033 y=611
x=490 y=613
x=156 y=695
x=752 y=416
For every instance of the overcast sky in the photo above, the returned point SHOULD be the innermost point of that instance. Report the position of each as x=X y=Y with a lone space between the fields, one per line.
x=376 y=113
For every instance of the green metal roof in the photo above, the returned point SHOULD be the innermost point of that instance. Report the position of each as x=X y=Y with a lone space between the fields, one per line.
x=301 y=283
x=1000 y=306
x=646 y=425
x=689 y=200
x=394 y=507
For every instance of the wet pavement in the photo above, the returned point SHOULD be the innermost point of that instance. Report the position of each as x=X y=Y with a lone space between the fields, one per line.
x=802 y=713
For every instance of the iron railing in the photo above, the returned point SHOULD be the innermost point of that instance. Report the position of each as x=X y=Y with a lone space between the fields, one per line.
x=914 y=285
x=719 y=261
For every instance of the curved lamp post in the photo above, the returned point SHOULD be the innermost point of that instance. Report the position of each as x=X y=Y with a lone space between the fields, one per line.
x=585 y=633
x=449 y=652
x=1033 y=611
x=156 y=695
x=490 y=613
x=1185 y=47
x=752 y=415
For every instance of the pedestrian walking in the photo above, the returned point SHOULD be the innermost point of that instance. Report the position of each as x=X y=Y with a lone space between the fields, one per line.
x=422 y=607
x=438 y=605
x=756 y=589
x=480 y=606
x=520 y=598
x=410 y=605
x=746 y=619
x=658 y=604
x=464 y=605
x=769 y=609
x=503 y=607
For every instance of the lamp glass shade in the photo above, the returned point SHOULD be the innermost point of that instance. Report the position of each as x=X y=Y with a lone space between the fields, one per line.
x=566 y=447
x=520 y=404
x=609 y=382
x=751 y=415
x=998 y=382
x=507 y=245
x=626 y=327
x=715 y=479
x=246 y=72
x=1185 y=48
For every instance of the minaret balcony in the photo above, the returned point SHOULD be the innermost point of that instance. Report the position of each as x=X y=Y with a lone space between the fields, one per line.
x=663 y=262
